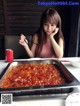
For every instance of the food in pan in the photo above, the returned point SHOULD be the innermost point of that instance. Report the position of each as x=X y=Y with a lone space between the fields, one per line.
x=33 y=74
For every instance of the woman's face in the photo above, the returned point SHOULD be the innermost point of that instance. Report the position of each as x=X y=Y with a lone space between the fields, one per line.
x=49 y=28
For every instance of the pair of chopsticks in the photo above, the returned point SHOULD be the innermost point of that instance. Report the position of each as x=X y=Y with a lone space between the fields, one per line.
x=64 y=60
x=29 y=41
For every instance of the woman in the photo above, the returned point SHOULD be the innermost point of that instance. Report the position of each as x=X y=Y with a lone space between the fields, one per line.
x=48 y=41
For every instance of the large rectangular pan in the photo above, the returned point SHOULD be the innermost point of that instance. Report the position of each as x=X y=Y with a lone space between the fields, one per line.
x=67 y=87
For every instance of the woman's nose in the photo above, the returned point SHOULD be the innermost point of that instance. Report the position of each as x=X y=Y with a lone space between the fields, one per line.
x=49 y=28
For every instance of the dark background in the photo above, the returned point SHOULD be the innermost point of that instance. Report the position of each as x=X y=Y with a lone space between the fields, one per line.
x=23 y=16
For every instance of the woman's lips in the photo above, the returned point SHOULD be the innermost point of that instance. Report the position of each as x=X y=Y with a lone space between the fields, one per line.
x=49 y=32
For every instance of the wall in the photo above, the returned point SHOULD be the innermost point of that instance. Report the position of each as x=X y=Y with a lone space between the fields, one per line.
x=23 y=16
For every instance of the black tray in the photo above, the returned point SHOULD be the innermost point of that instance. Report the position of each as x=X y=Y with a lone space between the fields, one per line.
x=34 y=91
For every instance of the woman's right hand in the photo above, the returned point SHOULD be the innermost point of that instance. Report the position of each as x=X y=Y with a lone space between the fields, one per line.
x=23 y=40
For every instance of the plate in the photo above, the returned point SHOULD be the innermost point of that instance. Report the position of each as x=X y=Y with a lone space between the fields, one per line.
x=73 y=100
x=75 y=63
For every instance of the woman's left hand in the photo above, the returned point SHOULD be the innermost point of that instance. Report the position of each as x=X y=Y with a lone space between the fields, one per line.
x=55 y=32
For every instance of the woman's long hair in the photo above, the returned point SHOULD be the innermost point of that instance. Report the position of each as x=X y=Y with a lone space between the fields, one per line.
x=49 y=15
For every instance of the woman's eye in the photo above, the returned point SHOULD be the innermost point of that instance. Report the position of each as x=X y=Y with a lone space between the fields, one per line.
x=52 y=25
x=45 y=24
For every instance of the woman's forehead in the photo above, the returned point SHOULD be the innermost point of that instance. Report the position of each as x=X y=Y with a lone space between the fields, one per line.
x=50 y=21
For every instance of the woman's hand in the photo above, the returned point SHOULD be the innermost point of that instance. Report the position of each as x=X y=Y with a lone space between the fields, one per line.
x=23 y=40
x=55 y=32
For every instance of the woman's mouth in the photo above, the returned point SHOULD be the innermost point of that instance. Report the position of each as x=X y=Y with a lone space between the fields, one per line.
x=49 y=32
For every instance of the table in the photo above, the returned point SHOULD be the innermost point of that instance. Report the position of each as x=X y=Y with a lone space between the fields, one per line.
x=47 y=101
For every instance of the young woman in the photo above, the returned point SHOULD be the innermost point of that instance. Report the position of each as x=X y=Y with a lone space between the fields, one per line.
x=48 y=41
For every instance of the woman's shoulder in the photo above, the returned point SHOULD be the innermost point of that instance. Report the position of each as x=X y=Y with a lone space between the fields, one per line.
x=35 y=37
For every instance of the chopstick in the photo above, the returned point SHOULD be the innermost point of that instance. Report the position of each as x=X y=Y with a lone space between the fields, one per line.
x=64 y=60
x=29 y=41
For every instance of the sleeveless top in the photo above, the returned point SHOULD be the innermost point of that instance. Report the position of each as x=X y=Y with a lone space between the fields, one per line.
x=46 y=51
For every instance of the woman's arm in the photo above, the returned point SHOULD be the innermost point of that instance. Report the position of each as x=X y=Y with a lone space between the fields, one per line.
x=58 y=47
x=30 y=52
